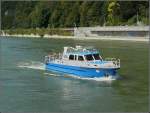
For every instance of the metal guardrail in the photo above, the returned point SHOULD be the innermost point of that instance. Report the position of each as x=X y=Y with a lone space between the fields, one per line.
x=114 y=60
x=52 y=57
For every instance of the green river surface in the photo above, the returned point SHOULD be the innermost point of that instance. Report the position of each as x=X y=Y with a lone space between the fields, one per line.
x=25 y=86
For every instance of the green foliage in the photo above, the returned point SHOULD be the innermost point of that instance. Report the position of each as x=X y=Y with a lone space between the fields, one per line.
x=113 y=9
x=61 y=14
x=40 y=15
x=132 y=20
x=41 y=32
x=73 y=16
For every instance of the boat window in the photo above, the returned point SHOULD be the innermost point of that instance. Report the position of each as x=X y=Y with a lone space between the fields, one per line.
x=89 y=57
x=71 y=57
x=80 y=58
x=96 y=56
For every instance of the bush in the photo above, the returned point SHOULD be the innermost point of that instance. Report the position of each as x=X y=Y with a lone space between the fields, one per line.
x=40 y=32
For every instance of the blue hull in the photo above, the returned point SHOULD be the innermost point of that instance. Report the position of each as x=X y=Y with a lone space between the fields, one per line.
x=80 y=71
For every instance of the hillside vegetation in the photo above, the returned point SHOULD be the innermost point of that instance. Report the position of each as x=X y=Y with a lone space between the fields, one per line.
x=62 y=14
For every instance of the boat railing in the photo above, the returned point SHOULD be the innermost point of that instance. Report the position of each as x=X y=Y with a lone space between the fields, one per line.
x=114 y=60
x=52 y=57
x=80 y=49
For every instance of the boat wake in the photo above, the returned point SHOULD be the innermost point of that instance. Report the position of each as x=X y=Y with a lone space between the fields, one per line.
x=32 y=65
x=95 y=78
x=52 y=74
x=103 y=79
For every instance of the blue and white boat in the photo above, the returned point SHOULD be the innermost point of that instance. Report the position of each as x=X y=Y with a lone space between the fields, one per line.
x=85 y=62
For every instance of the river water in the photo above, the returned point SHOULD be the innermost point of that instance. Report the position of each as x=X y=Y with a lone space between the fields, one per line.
x=25 y=86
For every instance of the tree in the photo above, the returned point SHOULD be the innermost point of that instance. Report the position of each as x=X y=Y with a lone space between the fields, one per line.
x=56 y=13
x=40 y=15
x=7 y=14
x=113 y=9
x=84 y=7
x=94 y=14
x=22 y=12
x=74 y=16
x=52 y=14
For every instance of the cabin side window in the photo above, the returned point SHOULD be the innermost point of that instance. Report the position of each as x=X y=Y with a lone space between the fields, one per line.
x=96 y=56
x=89 y=57
x=71 y=57
x=80 y=58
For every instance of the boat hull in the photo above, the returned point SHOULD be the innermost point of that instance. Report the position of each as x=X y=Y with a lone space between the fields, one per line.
x=81 y=71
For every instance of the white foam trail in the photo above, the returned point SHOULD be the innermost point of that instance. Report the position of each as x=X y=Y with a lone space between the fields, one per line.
x=52 y=74
x=32 y=65
x=97 y=78
x=107 y=79
x=110 y=78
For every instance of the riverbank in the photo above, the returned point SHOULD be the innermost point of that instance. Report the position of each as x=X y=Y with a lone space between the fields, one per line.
x=144 y=39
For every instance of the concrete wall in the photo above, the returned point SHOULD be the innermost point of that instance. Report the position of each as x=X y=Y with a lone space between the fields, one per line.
x=129 y=31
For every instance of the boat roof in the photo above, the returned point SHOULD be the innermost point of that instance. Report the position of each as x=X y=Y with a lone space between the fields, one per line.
x=79 y=50
x=83 y=53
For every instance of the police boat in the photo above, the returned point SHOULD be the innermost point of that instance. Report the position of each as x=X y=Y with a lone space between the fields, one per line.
x=84 y=62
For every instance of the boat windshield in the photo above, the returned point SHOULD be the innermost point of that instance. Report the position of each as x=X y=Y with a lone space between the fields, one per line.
x=96 y=56
x=89 y=57
x=80 y=58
